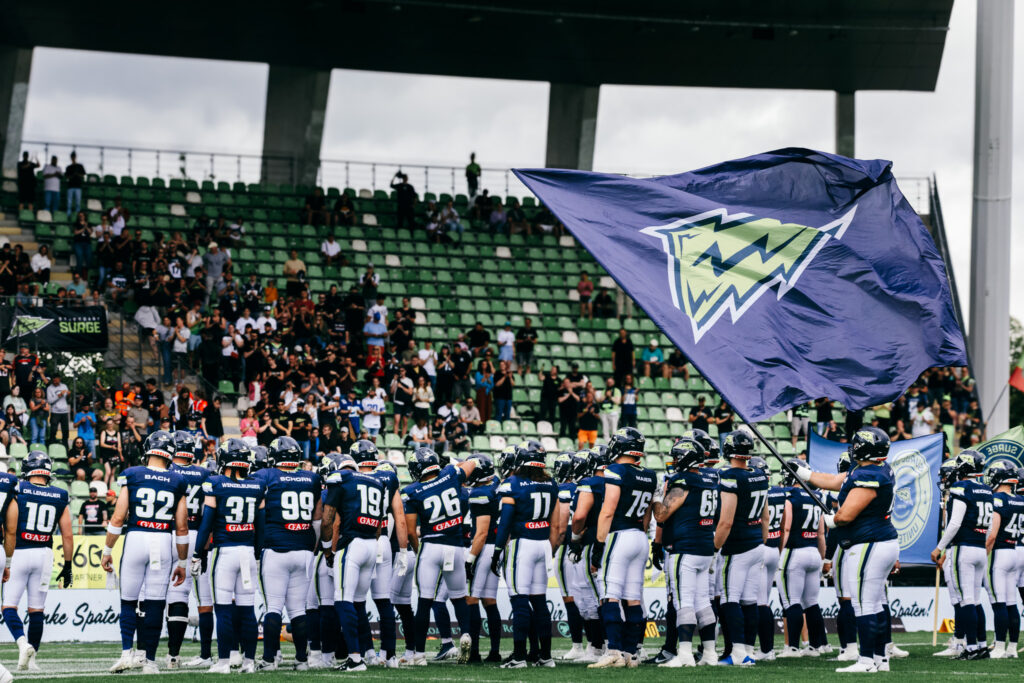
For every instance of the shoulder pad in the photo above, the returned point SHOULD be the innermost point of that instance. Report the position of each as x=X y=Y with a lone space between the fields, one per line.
x=506 y=487
x=122 y=480
x=207 y=486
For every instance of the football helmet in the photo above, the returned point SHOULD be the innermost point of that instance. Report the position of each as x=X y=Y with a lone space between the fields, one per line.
x=687 y=453
x=424 y=461
x=234 y=454
x=628 y=442
x=37 y=464
x=160 y=443
x=869 y=443
x=284 y=451
x=737 y=444
x=365 y=453
x=184 y=445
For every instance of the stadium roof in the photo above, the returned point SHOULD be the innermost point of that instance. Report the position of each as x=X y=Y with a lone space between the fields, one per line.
x=842 y=45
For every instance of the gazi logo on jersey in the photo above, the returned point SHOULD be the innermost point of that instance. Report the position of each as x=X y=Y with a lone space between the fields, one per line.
x=720 y=262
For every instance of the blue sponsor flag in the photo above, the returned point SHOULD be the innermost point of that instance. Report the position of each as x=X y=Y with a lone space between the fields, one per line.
x=915 y=511
x=784 y=277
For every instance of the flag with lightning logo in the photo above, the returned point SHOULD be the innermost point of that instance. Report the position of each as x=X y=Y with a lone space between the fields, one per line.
x=784 y=277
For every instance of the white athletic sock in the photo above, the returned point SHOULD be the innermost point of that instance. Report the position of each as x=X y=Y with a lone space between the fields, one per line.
x=739 y=652
x=686 y=647
x=709 y=645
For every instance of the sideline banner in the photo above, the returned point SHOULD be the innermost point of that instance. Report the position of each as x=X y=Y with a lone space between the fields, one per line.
x=86 y=571
x=915 y=512
x=75 y=330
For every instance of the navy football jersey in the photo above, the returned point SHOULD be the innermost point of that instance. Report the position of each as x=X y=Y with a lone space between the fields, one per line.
x=8 y=493
x=234 y=521
x=775 y=505
x=594 y=486
x=803 y=527
x=194 y=477
x=874 y=522
x=533 y=502
x=289 y=501
x=751 y=489
x=636 y=486
x=153 y=497
x=691 y=528
x=484 y=501
x=1011 y=518
x=438 y=506
x=359 y=499
x=978 y=499
x=39 y=511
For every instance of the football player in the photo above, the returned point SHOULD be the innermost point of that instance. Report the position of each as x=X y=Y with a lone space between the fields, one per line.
x=565 y=476
x=585 y=512
x=9 y=519
x=401 y=590
x=434 y=518
x=353 y=518
x=1001 y=543
x=529 y=507
x=151 y=504
x=948 y=477
x=968 y=516
x=621 y=548
x=367 y=458
x=865 y=501
x=803 y=543
x=42 y=509
x=686 y=507
x=185 y=448
x=774 y=506
x=322 y=618
x=484 y=504
x=739 y=536
x=231 y=519
x=291 y=518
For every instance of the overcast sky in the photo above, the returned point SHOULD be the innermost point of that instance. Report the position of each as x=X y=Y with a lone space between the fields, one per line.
x=113 y=99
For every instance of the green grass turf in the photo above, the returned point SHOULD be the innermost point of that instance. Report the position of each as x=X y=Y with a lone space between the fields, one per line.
x=89 y=661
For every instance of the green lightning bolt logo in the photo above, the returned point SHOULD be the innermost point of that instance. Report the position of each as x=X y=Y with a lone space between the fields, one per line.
x=28 y=324
x=720 y=262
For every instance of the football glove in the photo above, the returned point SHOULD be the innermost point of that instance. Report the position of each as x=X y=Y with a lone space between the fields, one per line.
x=576 y=550
x=657 y=555
x=469 y=572
x=595 y=554
x=497 y=560
x=65 y=575
x=402 y=563
x=198 y=563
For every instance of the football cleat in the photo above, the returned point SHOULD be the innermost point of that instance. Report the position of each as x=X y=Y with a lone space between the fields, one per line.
x=220 y=668
x=124 y=663
x=5 y=675
x=882 y=665
x=574 y=653
x=25 y=652
x=894 y=652
x=825 y=649
x=662 y=657
x=633 y=660
x=173 y=662
x=790 y=652
x=302 y=666
x=248 y=667
x=861 y=666
x=351 y=665
x=708 y=658
x=849 y=654
x=32 y=666
x=447 y=651
x=511 y=663
x=769 y=656
x=493 y=658
x=810 y=652
x=419 y=660
x=138 y=659
x=612 y=659
x=196 y=661
x=545 y=663
x=680 y=660
x=465 y=645
x=264 y=665
x=150 y=668
x=235 y=659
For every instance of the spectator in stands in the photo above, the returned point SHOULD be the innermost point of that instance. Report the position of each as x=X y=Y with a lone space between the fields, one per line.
x=587 y=417
x=315 y=210
x=498 y=220
x=585 y=288
x=402 y=396
x=609 y=401
x=27 y=183
x=479 y=339
x=118 y=216
x=428 y=361
x=481 y=209
x=473 y=176
x=375 y=332
x=652 y=358
x=629 y=403
x=405 y=201
x=74 y=175
x=469 y=415
x=80 y=460
x=854 y=421
x=344 y=211
x=800 y=423
x=525 y=342
x=623 y=356
x=215 y=262
x=450 y=222
x=330 y=250
x=81 y=242
x=483 y=380
x=922 y=420
x=823 y=413
x=506 y=343
x=568 y=408
x=439 y=442
x=368 y=283
x=85 y=424
x=546 y=223
x=550 y=384
x=834 y=432
x=419 y=435
x=603 y=305
x=109 y=451
x=294 y=275
x=14 y=401
x=423 y=398
x=883 y=413
x=700 y=416
x=235 y=232
x=57 y=396
x=52 y=174
x=372 y=410
x=42 y=262
x=504 y=382
x=724 y=417
x=93 y=515
x=456 y=436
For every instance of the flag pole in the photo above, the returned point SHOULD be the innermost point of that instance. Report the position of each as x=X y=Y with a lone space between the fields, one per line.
x=935 y=610
x=786 y=467
x=984 y=425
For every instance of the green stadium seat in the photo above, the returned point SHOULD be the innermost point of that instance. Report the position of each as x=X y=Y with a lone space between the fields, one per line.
x=57 y=452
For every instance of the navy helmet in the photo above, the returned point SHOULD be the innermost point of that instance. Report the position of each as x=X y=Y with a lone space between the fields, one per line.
x=687 y=453
x=483 y=471
x=284 y=451
x=365 y=453
x=1000 y=472
x=947 y=474
x=260 y=459
x=507 y=461
x=627 y=442
x=564 y=467
x=234 y=454
x=869 y=444
x=160 y=443
x=424 y=461
x=737 y=444
x=328 y=464
x=184 y=445
x=969 y=463
x=758 y=463
x=531 y=454
x=37 y=464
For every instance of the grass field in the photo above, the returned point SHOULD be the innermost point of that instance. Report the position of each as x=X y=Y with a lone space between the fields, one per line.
x=88 y=661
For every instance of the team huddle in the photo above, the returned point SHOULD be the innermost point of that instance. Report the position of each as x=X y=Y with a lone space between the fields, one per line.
x=319 y=543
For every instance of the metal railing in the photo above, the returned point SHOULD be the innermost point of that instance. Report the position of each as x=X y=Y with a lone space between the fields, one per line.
x=372 y=175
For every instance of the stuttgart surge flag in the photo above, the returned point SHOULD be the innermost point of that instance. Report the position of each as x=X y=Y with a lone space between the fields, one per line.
x=784 y=277
x=915 y=510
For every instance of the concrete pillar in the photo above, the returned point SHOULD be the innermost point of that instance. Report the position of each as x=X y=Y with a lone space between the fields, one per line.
x=294 y=124
x=572 y=125
x=990 y=225
x=15 y=65
x=845 y=123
